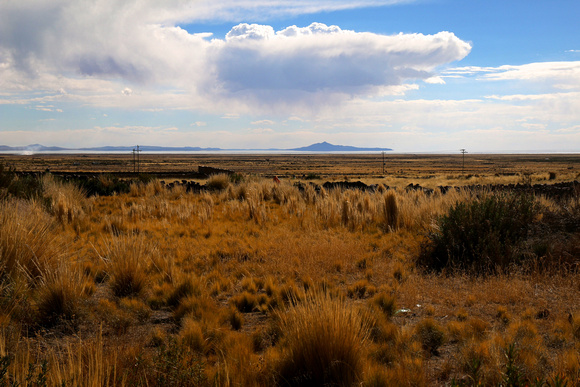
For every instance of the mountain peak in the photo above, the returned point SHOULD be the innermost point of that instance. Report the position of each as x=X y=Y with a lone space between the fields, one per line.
x=328 y=147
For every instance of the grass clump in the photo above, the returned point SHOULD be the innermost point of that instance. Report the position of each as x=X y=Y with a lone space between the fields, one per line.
x=59 y=295
x=385 y=303
x=245 y=302
x=431 y=335
x=323 y=341
x=481 y=236
x=219 y=182
x=185 y=289
x=126 y=266
x=28 y=245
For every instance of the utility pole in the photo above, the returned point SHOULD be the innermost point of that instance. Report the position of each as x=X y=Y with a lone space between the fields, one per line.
x=383 y=163
x=136 y=151
x=463 y=152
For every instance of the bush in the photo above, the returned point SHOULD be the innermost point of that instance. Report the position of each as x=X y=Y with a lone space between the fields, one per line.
x=481 y=236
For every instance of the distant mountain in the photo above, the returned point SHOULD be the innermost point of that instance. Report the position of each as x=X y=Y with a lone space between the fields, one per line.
x=319 y=147
x=326 y=147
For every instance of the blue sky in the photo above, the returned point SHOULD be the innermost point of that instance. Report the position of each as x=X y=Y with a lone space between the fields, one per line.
x=415 y=76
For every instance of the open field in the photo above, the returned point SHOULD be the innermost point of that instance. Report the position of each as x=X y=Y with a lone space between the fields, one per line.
x=254 y=283
x=399 y=168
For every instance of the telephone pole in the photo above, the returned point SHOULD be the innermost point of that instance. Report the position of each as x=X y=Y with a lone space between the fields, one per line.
x=383 y=164
x=463 y=152
x=136 y=151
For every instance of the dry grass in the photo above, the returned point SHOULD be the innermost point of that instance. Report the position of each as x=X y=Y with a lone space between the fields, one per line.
x=28 y=244
x=126 y=261
x=323 y=341
x=261 y=284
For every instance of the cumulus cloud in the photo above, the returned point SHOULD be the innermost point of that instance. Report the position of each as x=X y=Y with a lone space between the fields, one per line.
x=321 y=58
x=86 y=51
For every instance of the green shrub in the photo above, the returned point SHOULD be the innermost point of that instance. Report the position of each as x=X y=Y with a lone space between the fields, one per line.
x=481 y=236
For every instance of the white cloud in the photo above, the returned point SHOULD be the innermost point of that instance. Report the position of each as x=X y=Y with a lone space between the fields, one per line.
x=263 y=122
x=559 y=75
x=320 y=58
x=85 y=51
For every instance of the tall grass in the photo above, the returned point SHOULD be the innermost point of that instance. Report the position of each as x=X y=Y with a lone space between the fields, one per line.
x=248 y=286
x=127 y=260
x=67 y=202
x=323 y=341
x=78 y=363
x=28 y=244
x=59 y=294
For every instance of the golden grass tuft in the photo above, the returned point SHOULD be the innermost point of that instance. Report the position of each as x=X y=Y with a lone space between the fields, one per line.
x=219 y=182
x=323 y=340
x=59 y=294
x=127 y=260
x=28 y=246
x=431 y=335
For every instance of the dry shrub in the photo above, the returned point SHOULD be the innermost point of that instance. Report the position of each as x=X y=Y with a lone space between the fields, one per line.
x=358 y=289
x=126 y=263
x=198 y=307
x=323 y=343
x=481 y=236
x=480 y=362
x=239 y=365
x=236 y=319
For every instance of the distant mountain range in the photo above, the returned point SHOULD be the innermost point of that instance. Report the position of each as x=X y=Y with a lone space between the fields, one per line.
x=318 y=147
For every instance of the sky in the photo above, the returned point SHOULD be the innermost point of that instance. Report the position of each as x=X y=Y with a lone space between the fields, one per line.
x=411 y=75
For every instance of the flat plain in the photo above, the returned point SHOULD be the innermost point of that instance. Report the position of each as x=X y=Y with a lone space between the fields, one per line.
x=365 y=167
x=257 y=283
